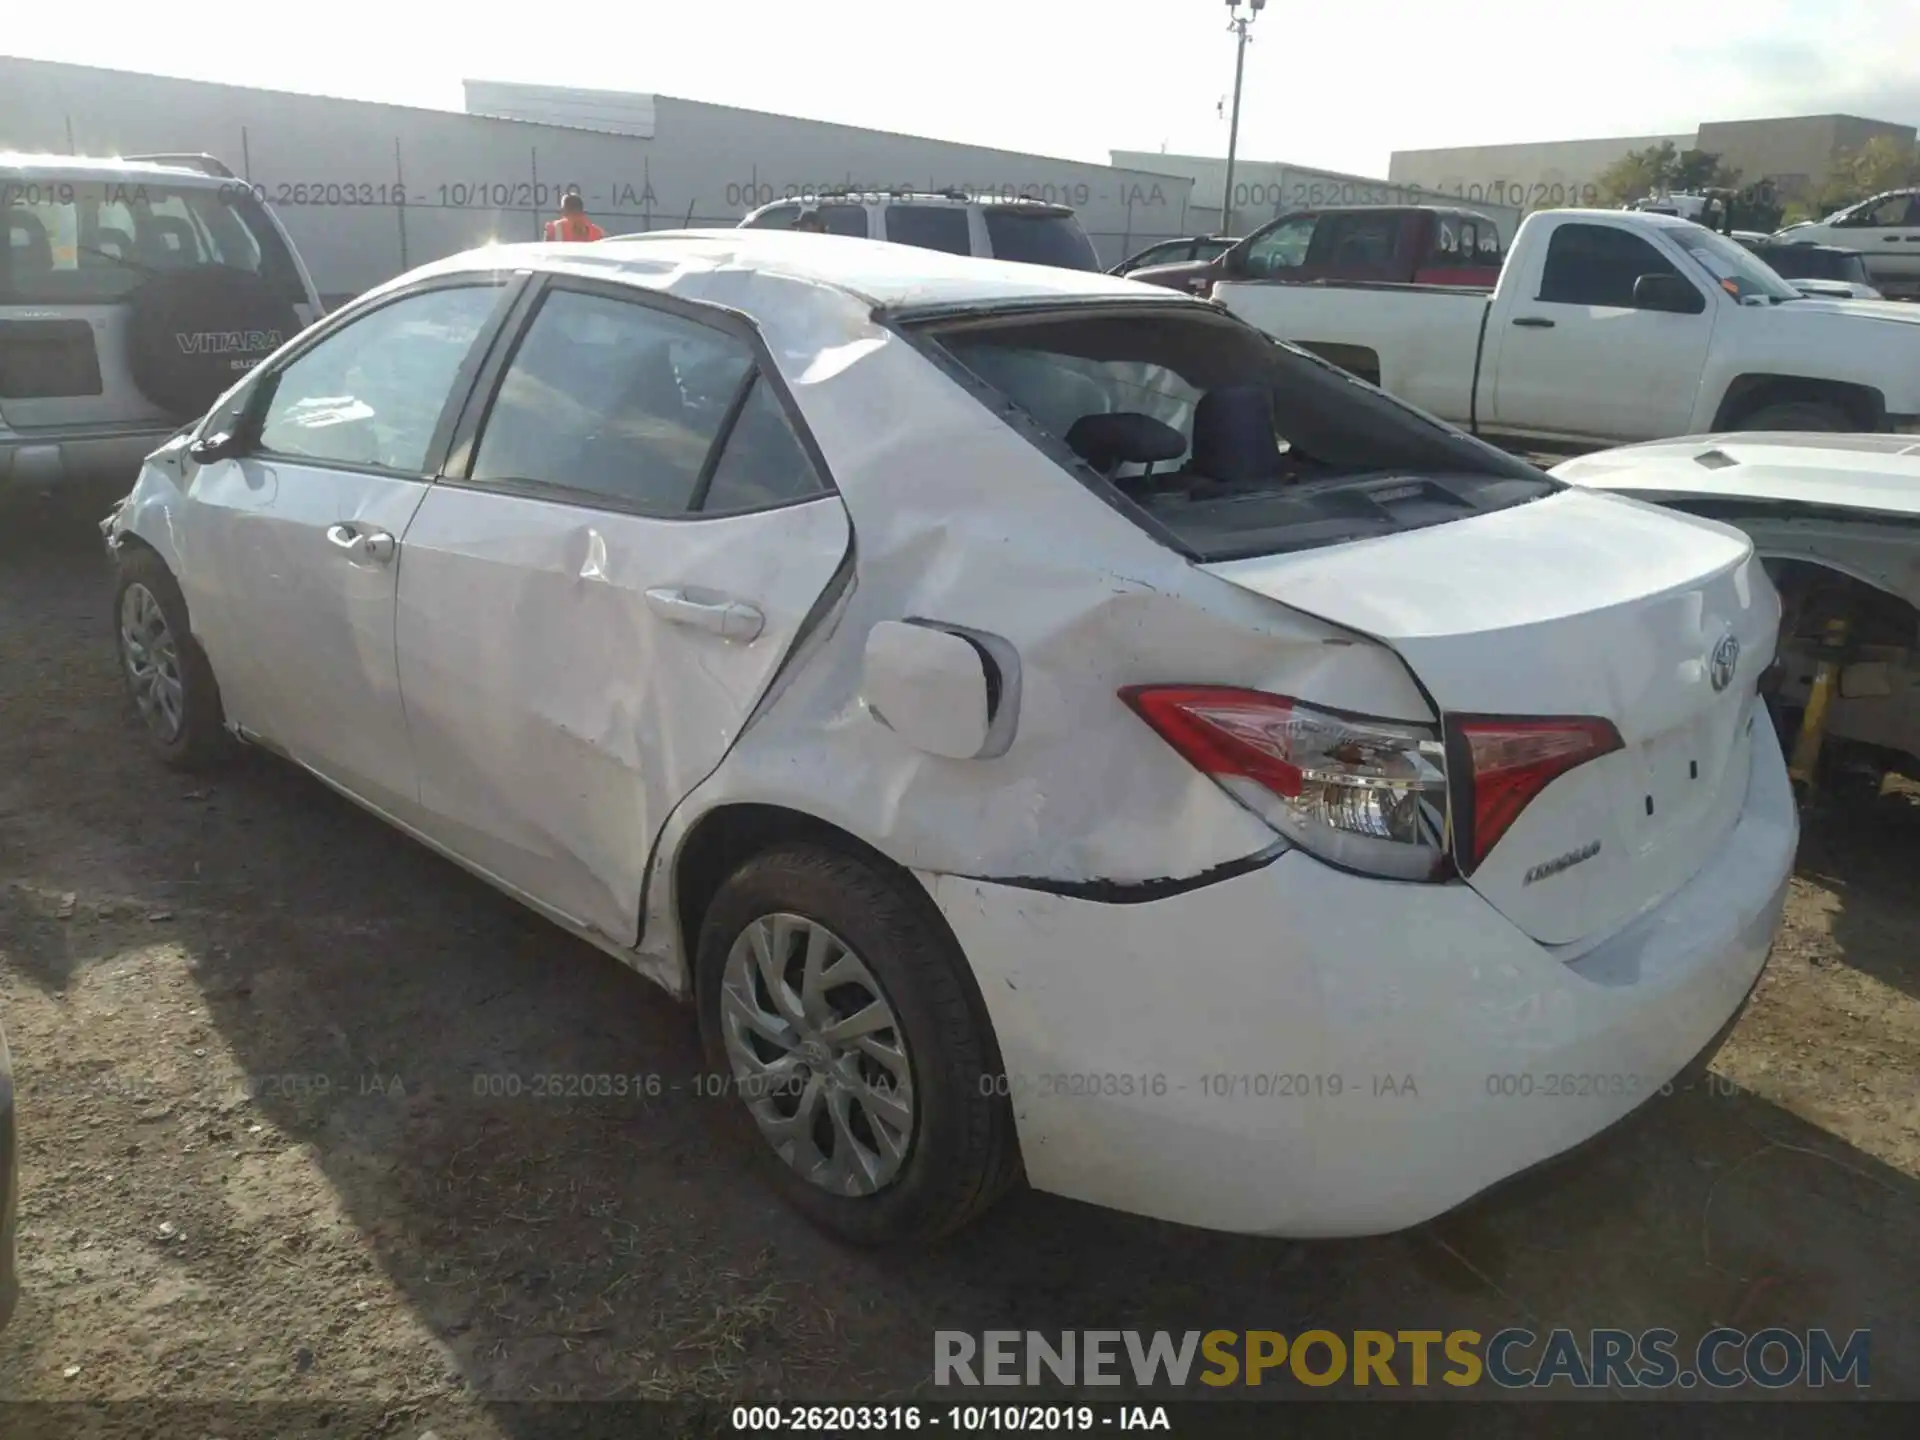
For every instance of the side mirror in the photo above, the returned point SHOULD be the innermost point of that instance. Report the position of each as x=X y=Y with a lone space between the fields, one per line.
x=1668 y=294
x=222 y=445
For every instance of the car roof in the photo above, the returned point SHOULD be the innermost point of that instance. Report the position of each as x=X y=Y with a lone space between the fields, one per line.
x=49 y=167
x=881 y=273
x=917 y=197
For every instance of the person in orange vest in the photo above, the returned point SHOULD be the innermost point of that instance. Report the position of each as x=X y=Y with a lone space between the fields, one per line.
x=573 y=223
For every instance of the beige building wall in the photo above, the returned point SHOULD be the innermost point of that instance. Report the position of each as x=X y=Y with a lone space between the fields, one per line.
x=1797 y=153
x=1533 y=176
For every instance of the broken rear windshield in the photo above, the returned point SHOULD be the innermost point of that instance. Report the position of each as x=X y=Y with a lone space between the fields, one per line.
x=1226 y=442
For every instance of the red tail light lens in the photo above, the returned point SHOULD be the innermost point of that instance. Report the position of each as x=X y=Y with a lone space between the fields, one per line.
x=1505 y=763
x=1367 y=794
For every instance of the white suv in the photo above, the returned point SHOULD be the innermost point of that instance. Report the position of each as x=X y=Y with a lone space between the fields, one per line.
x=1030 y=231
x=133 y=293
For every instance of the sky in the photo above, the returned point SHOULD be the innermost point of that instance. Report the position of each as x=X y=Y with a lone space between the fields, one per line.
x=1334 y=86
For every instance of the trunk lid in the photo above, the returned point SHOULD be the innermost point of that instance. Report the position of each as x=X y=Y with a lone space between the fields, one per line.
x=1577 y=604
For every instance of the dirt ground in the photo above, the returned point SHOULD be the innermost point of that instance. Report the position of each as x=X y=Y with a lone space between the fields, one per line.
x=254 y=1033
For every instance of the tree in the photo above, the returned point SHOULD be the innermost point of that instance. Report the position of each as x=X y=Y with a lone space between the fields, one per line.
x=1639 y=173
x=1883 y=163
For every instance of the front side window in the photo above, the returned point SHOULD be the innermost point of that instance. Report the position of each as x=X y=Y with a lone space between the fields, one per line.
x=777 y=217
x=1597 y=265
x=611 y=400
x=372 y=393
x=1281 y=247
x=1889 y=211
x=931 y=227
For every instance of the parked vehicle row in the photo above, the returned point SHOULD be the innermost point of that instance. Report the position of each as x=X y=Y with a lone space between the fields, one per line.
x=1002 y=699
x=1884 y=228
x=1608 y=326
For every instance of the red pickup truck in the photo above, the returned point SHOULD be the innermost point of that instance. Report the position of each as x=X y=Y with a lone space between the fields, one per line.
x=1411 y=244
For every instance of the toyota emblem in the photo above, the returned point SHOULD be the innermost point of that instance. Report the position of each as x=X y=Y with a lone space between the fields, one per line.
x=1724 y=661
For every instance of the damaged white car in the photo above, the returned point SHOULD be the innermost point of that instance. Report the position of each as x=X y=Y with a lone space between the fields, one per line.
x=1837 y=520
x=1043 y=724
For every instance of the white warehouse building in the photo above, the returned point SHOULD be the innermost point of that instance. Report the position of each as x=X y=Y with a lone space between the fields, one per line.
x=370 y=190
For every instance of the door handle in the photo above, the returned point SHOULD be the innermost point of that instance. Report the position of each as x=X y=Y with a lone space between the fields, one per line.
x=732 y=619
x=375 y=545
x=1533 y=322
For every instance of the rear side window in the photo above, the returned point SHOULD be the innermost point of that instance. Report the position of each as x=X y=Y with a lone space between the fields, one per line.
x=94 y=242
x=1357 y=242
x=763 y=462
x=1227 y=443
x=1043 y=239
x=931 y=227
x=1597 y=265
x=611 y=400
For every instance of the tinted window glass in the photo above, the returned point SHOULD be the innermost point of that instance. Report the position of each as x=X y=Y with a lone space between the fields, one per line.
x=1040 y=239
x=763 y=462
x=1597 y=265
x=613 y=399
x=1362 y=242
x=373 y=392
x=72 y=242
x=1809 y=262
x=931 y=227
x=844 y=220
x=1283 y=248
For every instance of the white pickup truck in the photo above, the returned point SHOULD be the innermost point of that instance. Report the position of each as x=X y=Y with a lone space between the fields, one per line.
x=1608 y=326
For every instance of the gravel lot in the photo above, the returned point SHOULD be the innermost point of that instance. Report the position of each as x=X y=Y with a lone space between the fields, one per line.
x=248 y=1026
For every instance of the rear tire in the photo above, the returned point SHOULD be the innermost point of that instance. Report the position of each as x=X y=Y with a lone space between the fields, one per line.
x=1792 y=415
x=877 y=1162
x=168 y=678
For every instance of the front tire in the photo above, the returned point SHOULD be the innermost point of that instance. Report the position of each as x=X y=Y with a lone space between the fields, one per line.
x=168 y=678
x=858 y=1066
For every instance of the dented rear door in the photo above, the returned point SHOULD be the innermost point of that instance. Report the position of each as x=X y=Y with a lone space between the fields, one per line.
x=590 y=613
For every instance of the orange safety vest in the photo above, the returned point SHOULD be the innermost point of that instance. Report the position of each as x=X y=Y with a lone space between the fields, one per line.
x=574 y=227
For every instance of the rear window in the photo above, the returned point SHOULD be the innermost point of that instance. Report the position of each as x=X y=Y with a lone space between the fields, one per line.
x=1806 y=262
x=1042 y=239
x=931 y=227
x=1226 y=443
x=73 y=242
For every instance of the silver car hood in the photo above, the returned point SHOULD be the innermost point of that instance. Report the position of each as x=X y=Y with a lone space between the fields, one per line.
x=1878 y=474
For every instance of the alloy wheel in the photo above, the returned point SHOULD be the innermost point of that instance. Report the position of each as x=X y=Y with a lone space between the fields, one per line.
x=153 y=662
x=817 y=1054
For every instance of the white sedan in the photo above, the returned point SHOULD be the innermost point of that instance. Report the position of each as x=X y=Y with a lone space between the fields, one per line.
x=1045 y=726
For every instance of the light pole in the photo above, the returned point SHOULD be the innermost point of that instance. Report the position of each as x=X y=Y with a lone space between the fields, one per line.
x=1238 y=25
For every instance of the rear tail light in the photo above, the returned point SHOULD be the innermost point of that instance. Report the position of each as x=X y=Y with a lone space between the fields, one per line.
x=1366 y=794
x=1504 y=762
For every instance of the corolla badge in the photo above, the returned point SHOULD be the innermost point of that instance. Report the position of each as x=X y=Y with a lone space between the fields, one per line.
x=1723 y=662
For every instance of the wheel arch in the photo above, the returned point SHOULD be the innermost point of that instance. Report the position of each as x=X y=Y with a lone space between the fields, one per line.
x=1863 y=404
x=727 y=836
